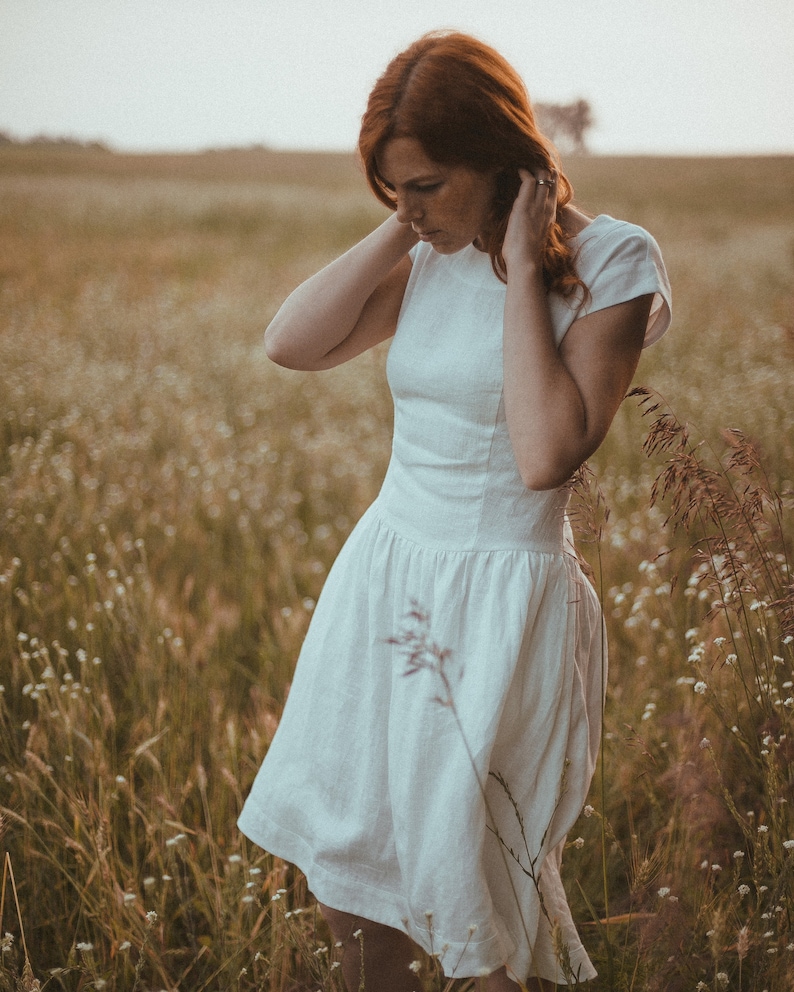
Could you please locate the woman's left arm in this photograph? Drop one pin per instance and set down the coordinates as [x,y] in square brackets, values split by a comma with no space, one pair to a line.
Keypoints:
[559,402]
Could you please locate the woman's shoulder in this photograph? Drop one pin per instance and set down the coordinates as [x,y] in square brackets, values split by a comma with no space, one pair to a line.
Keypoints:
[604,233]
[617,261]
[606,243]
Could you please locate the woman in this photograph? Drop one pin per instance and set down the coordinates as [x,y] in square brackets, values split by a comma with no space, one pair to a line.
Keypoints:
[433,809]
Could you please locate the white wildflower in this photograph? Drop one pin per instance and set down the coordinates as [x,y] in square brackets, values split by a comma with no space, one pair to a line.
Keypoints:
[664,892]
[588,811]
[744,890]
[415,967]
[579,843]
[705,744]
[788,844]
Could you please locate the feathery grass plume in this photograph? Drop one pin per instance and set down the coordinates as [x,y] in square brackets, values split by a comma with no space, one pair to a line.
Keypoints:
[739,532]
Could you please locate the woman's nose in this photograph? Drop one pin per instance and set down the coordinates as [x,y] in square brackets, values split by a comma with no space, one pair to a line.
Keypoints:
[408,209]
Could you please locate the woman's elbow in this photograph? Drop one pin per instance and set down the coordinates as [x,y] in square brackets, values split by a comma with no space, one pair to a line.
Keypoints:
[277,346]
[539,475]
[539,481]
[273,349]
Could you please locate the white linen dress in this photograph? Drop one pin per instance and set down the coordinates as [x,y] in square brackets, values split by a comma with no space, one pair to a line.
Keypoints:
[374,783]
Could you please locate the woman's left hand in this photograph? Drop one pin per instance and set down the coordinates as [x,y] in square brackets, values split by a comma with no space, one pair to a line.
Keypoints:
[533,213]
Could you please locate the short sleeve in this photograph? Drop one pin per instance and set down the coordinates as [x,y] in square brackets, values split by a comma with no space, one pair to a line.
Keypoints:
[620,264]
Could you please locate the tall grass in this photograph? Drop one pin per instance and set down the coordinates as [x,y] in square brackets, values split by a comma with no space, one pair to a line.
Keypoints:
[170,504]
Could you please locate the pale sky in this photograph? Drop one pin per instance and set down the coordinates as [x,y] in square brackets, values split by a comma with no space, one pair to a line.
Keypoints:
[662,76]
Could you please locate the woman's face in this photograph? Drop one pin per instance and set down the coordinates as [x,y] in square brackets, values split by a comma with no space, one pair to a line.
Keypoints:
[447,205]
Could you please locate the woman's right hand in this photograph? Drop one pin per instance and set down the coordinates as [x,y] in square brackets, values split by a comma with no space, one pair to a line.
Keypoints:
[349,306]
[531,217]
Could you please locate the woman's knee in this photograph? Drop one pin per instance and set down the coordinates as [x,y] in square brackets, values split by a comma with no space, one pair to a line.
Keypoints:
[342,925]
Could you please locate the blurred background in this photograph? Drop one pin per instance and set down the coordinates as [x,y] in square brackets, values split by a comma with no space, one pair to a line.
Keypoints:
[661,76]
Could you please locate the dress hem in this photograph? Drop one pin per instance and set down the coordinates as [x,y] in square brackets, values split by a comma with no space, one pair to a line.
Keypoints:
[378,905]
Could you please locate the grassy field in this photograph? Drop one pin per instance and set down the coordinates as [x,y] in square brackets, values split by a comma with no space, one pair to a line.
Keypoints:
[170,504]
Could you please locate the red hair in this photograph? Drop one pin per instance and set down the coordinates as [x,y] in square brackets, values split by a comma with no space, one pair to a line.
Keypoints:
[466,105]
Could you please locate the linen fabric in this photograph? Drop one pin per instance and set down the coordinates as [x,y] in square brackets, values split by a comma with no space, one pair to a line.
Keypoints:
[381,781]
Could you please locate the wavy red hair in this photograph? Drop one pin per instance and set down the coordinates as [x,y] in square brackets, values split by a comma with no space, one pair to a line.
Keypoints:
[466,105]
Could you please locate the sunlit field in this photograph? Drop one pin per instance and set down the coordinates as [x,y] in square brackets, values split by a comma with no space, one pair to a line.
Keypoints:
[170,504]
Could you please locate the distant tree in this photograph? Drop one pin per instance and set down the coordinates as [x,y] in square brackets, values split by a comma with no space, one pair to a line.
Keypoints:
[566,124]
[50,141]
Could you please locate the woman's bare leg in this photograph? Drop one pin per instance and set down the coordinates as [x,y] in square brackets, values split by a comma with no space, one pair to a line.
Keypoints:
[499,981]
[387,953]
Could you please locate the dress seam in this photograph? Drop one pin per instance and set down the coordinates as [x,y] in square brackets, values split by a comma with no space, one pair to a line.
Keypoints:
[382,515]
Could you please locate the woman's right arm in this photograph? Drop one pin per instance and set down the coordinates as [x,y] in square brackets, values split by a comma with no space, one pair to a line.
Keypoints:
[349,306]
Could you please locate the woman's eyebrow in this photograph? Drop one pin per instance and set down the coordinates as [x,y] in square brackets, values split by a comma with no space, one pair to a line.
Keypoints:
[429,177]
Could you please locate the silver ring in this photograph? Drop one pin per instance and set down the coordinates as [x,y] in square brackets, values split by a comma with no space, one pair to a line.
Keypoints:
[545,182]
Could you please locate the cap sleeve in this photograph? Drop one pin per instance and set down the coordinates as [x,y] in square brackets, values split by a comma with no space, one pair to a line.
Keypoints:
[622,264]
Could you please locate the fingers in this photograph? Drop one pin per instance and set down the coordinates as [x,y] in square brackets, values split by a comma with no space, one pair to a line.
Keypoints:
[540,186]
[546,182]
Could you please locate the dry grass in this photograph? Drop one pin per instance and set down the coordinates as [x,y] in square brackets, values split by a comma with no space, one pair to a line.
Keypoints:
[170,504]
